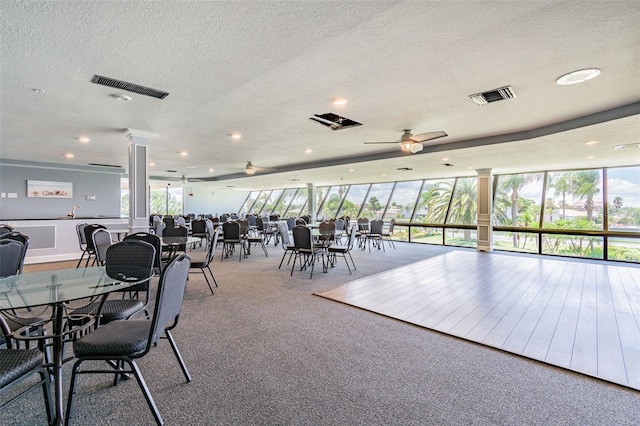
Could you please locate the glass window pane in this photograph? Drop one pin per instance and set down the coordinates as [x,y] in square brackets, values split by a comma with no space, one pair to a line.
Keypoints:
[376,200]
[175,201]
[331,203]
[401,233]
[573,245]
[248,204]
[433,201]
[158,203]
[426,235]
[525,242]
[270,203]
[124,198]
[403,200]
[518,199]
[260,202]
[461,237]
[297,204]
[353,202]
[577,200]
[623,192]
[284,201]
[464,204]
[626,249]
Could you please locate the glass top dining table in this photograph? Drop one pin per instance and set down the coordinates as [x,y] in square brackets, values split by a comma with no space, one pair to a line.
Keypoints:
[55,288]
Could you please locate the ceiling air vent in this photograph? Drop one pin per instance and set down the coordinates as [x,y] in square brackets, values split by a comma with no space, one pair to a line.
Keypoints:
[404,169]
[334,121]
[105,165]
[135,88]
[495,95]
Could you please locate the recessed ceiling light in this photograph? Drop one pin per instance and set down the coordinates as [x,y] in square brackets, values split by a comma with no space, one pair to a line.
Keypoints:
[84,139]
[591,142]
[235,136]
[308,151]
[184,153]
[123,98]
[339,101]
[152,164]
[579,76]
[190,167]
[210,170]
[445,159]
[69,155]
[352,170]
[591,156]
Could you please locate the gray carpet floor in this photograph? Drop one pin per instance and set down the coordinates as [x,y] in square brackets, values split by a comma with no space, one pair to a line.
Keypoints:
[264,351]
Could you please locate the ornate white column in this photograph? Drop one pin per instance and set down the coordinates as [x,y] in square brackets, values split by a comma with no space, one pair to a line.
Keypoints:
[485,207]
[311,201]
[138,179]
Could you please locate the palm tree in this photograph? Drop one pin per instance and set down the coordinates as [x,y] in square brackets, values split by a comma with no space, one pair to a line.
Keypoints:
[585,184]
[464,204]
[435,201]
[513,184]
[562,185]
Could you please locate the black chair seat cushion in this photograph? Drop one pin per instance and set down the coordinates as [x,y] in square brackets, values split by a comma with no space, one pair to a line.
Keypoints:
[113,309]
[14,363]
[338,249]
[117,338]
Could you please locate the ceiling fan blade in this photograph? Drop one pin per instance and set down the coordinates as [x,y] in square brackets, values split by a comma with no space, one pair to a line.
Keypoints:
[372,143]
[422,137]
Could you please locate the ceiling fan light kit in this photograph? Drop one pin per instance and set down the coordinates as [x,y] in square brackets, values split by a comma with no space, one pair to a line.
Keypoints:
[413,143]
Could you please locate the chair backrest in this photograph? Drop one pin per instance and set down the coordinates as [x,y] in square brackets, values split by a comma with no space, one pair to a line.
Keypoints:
[291,223]
[152,239]
[169,221]
[131,259]
[284,235]
[259,224]
[302,237]
[252,220]
[300,221]
[392,225]
[244,226]
[181,222]
[158,228]
[352,235]
[22,238]
[210,228]
[363,224]
[10,257]
[224,217]
[274,217]
[5,229]
[198,226]
[88,232]
[339,225]
[175,231]
[169,298]
[306,218]
[213,242]
[231,231]
[101,239]
[82,238]
[377,226]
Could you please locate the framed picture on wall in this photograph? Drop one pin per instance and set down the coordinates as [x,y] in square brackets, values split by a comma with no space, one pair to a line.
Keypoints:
[47,189]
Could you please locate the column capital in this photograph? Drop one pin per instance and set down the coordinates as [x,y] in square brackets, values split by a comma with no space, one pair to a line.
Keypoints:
[133,133]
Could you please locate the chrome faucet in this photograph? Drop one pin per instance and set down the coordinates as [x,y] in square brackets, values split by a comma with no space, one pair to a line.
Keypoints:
[73,211]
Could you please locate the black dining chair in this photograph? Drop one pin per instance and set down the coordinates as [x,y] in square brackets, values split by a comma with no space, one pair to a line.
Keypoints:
[334,250]
[22,239]
[232,238]
[123,342]
[199,229]
[305,250]
[286,243]
[152,239]
[101,241]
[205,263]
[18,366]
[91,250]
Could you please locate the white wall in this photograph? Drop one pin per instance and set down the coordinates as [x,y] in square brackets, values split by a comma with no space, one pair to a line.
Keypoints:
[210,200]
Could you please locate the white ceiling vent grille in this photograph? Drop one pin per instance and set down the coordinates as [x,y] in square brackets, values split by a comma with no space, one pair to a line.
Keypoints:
[135,88]
[495,95]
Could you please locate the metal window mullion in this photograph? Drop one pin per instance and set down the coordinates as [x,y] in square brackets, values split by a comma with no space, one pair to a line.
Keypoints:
[415,204]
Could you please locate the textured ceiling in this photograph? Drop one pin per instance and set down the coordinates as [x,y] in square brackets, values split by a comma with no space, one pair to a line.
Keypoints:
[263,68]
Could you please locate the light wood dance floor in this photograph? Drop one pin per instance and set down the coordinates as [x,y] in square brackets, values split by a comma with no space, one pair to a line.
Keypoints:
[579,315]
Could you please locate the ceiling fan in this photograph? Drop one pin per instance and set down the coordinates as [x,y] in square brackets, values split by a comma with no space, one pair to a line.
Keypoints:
[185,180]
[413,143]
[250,169]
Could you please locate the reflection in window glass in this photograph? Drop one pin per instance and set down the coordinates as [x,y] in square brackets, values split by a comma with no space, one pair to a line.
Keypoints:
[353,201]
[331,202]
[271,201]
[403,201]
[575,199]
[433,201]
[573,245]
[376,200]
[283,202]
[124,198]
[623,192]
[464,204]
[297,204]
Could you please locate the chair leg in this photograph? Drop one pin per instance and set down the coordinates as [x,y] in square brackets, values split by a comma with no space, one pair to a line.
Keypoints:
[207,280]
[354,263]
[176,351]
[145,391]
[46,391]
[212,276]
